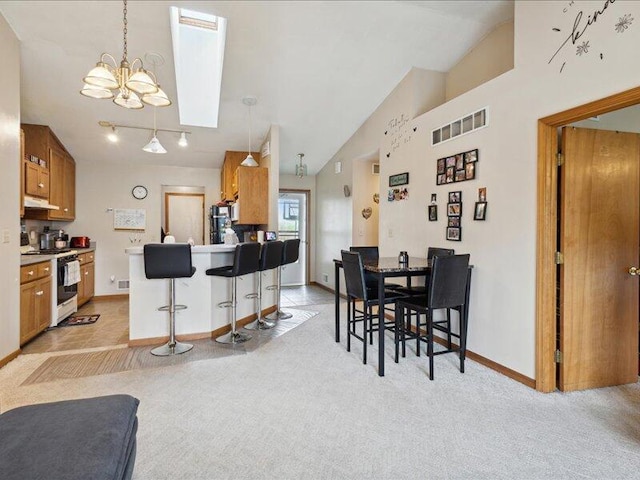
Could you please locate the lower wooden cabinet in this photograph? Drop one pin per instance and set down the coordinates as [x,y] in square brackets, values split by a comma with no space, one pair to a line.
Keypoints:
[86,287]
[35,300]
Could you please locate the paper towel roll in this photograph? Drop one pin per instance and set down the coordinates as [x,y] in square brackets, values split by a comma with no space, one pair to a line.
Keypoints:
[261,236]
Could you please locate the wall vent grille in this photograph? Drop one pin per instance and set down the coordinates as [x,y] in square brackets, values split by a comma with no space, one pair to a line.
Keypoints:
[123,284]
[375,169]
[461,126]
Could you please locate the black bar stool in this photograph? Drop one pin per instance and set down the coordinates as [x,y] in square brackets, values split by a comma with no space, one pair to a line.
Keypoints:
[245,261]
[290,254]
[270,258]
[169,261]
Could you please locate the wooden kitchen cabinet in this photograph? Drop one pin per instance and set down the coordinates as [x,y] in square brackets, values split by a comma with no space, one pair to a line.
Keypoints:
[251,185]
[35,300]
[41,142]
[86,286]
[22,163]
[232,161]
[36,180]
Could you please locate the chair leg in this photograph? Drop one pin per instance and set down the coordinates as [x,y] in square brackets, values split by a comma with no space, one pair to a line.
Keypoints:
[463,337]
[371,325]
[405,313]
[396,338]
[449,328]
[430,342]
[278,314]
[172,347]
[366,312]
[349,324]
[260,323]
[233,337]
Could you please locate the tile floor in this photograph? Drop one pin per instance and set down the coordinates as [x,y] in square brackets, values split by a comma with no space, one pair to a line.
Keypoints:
[112,328]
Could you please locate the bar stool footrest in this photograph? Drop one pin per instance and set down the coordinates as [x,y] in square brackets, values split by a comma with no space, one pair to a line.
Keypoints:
[251,296]
[226,304]
[176,308]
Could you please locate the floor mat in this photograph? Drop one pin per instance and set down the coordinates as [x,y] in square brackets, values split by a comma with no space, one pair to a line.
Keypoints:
[79,320]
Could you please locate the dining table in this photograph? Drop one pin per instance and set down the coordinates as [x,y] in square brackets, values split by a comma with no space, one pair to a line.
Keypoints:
[383,268]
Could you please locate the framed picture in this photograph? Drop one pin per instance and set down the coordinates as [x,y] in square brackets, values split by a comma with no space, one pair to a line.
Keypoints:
[453,222]
[441,179]
[482,194]
[469,171]
[471,156]
[454,209]
[454,234]
[449,175]
[399,179]
[461,175]
[459,161]
[455,197]
[433,213]
[480,212]
[450,162]
[441,165]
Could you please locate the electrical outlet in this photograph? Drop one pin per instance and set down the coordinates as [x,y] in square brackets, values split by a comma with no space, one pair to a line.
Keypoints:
[5,236]
[325,278]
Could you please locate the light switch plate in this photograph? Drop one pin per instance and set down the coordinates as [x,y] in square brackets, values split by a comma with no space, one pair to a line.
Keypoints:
[5,236]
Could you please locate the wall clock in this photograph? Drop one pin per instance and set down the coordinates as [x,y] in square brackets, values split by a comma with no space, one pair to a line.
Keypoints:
[139,192]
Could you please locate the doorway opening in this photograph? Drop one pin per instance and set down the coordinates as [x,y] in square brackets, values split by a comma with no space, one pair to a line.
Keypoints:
[183,213]
[547,294]
[293,222]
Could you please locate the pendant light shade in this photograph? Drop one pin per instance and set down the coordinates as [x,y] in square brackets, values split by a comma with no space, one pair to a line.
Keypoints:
[183,140]
[140,82]
[132,101]
[154,146]
[157,99]
[249,161]
[301,168]
[96,92]
[100,76]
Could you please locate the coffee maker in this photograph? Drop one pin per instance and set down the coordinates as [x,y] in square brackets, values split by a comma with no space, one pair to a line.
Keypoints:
[48,239]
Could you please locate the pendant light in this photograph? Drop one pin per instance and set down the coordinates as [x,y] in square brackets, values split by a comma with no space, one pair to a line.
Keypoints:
[249,161]
[154,145]
[301,169]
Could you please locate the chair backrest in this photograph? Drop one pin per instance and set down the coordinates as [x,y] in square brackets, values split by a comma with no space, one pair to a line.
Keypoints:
[291,251]
[246,259]
[167,260]
[439,252]
[271,255]
[354,274]
[367,253]
[448,281]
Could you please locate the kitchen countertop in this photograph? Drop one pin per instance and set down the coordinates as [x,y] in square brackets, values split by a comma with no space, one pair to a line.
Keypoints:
[31,259]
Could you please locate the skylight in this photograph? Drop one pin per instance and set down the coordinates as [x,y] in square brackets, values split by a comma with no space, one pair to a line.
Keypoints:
[198,52]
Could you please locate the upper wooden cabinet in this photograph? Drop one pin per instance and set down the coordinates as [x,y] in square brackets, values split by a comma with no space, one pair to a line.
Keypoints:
[232,160]
[60,178]
[252,194]
[21,161]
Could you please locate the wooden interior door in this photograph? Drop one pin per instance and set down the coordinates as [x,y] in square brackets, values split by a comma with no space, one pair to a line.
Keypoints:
[184,216]
[599,240]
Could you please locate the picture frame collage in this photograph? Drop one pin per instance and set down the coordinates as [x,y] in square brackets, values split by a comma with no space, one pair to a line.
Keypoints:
[396,181]
[454,217]
[457,168]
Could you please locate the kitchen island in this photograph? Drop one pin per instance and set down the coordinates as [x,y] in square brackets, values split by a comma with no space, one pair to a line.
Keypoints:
[201,294]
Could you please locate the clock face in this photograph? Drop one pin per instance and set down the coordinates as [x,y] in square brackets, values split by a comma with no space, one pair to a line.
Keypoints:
[139,192]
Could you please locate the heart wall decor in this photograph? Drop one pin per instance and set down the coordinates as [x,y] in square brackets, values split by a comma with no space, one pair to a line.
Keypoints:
[366,213]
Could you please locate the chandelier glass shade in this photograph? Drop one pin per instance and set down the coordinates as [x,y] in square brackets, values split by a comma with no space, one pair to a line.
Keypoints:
[133,84]
[154,146]
[301,169]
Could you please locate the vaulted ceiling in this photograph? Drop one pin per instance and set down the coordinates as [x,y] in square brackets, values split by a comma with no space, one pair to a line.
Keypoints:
[318,69]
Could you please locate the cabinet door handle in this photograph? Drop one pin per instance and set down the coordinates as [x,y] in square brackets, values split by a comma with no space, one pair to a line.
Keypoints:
[66,209]
[86,273]
[41,185]
[46,269]
[41,292]
[30,272]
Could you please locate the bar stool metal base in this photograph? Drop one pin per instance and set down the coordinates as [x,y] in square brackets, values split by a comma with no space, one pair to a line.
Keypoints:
[168,349]
[260,324]
[278,315]
[233,338]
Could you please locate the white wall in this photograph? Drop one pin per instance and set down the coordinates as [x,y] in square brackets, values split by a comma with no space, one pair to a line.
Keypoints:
[365,184]
[9,190]
[419,91]
[502,318]
[272,162]
[100,187]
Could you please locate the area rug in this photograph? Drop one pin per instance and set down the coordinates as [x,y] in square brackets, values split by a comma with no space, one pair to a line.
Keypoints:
[79,320]
[104,362]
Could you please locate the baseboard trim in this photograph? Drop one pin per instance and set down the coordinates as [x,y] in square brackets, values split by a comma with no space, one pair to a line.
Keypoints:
[8,358]
[101,298]
[506,371]
[141,342]
[329,289]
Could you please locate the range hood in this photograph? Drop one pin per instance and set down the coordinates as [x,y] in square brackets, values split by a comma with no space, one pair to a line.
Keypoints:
[41,203]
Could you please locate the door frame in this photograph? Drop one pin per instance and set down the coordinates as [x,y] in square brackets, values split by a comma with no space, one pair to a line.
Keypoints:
[547,229]
[307,222]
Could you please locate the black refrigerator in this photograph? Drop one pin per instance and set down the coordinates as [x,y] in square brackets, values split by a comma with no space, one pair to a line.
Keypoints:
[218,217]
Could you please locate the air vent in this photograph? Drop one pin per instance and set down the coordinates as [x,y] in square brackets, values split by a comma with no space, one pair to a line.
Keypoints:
[375,169]
[123,284]
[462,126]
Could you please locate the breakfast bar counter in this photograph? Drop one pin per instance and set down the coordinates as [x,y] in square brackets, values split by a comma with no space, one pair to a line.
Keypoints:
[201,294]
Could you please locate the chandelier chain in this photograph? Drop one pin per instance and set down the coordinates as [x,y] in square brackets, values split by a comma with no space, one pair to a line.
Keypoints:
[124,21]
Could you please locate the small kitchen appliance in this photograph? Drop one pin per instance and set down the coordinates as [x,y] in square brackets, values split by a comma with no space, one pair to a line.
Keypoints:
[80,242]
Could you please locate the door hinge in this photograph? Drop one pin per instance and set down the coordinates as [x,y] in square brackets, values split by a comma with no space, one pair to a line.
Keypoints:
[559,258]
[557,356]
[560,159]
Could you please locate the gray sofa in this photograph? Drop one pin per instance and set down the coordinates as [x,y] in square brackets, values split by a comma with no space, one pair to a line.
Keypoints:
[92,438]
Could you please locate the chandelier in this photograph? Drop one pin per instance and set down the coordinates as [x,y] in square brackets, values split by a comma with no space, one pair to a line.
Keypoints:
[301,168]
[132,85]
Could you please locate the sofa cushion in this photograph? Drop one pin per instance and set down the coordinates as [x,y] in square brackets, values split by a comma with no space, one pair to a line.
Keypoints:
[74,439]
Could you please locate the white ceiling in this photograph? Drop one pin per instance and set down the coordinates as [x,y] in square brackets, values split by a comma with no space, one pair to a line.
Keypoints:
[318,69]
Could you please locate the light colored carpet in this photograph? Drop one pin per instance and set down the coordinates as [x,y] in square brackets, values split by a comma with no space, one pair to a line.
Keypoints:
[302,407]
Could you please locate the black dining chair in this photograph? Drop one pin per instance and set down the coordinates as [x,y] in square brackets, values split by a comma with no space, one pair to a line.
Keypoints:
[357,291]
[422,289]
[371,253]
[448,288]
